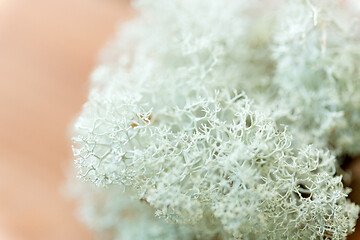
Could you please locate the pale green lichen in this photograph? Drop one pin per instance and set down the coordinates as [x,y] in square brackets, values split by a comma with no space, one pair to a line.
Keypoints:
[168,123]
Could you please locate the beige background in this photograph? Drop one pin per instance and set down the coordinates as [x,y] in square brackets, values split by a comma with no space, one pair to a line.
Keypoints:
[47,50]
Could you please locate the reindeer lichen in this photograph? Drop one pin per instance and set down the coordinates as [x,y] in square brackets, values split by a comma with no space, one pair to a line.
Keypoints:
[201,126]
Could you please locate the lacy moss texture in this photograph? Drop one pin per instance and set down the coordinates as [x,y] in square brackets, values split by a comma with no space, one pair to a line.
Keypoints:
[223,119]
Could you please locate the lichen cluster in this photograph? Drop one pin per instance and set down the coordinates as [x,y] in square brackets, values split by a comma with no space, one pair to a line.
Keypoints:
[223,119]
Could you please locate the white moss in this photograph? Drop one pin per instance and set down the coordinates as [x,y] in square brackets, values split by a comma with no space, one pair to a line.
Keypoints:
[167,120]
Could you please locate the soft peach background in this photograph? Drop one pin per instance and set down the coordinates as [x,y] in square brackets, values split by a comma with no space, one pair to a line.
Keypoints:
[47,50]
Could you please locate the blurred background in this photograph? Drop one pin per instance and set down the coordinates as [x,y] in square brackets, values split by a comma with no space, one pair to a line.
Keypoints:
[47,51]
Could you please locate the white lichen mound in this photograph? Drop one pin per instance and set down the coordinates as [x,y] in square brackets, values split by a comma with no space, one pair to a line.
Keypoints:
[169,133]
